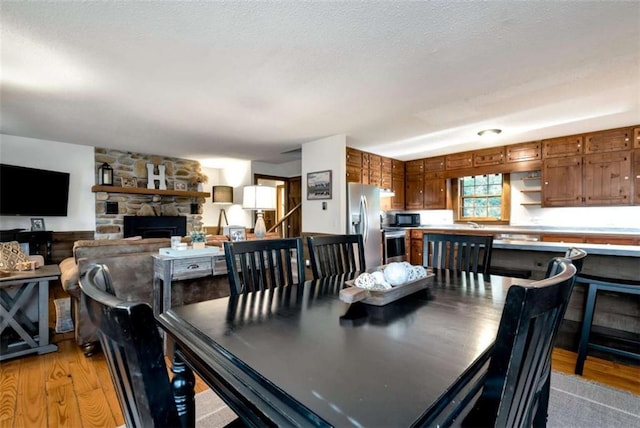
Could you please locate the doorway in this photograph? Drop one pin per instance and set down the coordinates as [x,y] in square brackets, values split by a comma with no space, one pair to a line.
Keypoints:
[288,196]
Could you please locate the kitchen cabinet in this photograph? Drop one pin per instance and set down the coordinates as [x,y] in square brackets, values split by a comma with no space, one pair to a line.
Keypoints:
[386,181]
[434,191]
[562,146]
[414,187]
[610,140]
[397,184]
[488,157]
[532,188]
[607,178]
[365,169]
[459,161]
[562,182]
[354,165]
[636,138]
[636,177]
[524,152]
[417,243]
[375,171]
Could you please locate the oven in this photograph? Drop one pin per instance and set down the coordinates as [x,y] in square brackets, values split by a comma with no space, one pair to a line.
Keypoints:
[394,245]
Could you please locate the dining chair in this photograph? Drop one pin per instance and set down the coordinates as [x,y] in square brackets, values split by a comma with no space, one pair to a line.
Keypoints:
[469,253]
[508,385]
[133,350]
[336,254]
[264,263]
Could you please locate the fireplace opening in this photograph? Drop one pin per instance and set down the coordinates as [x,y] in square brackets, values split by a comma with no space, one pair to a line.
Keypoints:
[155,226]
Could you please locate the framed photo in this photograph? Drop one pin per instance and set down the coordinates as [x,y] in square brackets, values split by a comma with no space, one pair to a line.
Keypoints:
[319,185]
[180,185]
[37,224]
[237,234]
[129,182]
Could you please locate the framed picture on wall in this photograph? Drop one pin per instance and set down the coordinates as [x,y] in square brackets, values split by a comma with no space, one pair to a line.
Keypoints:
[180,185]
[129,182]
[319,185]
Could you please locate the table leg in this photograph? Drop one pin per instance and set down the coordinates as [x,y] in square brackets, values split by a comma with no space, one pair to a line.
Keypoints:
[183,384]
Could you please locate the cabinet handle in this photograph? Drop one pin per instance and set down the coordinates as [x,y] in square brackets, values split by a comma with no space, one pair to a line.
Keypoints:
[193,266]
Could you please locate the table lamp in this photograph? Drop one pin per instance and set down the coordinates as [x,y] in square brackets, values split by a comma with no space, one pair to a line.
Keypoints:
[222,195]
[259,198]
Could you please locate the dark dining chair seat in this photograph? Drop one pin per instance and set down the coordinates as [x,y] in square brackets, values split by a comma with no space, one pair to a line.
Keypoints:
[508,386]
[261,264]
[336,254]
[460,252]
[133,350]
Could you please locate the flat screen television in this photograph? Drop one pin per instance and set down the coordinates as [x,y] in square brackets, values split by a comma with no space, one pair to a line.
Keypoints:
[33,192]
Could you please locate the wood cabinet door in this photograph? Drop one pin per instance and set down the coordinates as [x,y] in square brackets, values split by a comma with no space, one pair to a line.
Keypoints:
[636,177]
[459,160]
[414,166]
[354,157]
[488,157]
[610,140]
[414,185]
[397,167]
[562,146]
[562,182]
[416,252]
[354,174]
[434,191]
[434,164]
[636,138]
[397,184]
[607,178]
[524,152]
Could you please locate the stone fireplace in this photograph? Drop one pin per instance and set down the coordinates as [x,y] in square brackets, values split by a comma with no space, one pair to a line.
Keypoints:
[155,226]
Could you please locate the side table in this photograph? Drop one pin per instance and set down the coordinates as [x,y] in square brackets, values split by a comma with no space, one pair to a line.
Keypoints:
[18,299]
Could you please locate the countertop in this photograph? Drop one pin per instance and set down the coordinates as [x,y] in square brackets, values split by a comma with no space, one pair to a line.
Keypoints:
[561,247]
[536,229]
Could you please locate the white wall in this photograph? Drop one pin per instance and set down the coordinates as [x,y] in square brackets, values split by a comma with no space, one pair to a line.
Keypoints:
[77,160]
[320,155]
[287,169]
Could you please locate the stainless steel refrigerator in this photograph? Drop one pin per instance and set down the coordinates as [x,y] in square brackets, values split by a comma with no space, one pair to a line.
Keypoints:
[363,217]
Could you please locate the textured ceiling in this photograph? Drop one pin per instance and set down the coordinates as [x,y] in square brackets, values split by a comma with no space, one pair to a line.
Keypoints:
[253,80]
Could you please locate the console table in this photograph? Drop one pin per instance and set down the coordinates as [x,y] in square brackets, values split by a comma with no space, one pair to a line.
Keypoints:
[19,299]
[167,269]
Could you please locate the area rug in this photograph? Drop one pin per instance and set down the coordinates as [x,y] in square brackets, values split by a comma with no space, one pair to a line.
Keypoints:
[64,323]
[576,402]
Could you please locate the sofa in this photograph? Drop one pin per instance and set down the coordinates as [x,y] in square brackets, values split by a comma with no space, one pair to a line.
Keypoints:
[130,263]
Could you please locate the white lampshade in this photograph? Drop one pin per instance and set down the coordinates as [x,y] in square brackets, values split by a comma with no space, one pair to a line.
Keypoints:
[259,198]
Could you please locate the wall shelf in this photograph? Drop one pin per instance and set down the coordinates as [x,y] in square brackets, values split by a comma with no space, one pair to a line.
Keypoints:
[144,191]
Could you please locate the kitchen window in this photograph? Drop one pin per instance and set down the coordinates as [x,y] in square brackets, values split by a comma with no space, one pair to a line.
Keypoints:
[483,198]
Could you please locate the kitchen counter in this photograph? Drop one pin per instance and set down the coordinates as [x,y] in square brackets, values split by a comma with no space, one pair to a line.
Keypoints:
[561,247]
[536,229]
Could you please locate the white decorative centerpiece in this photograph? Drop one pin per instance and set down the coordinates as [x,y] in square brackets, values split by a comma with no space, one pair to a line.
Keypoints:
[197,239]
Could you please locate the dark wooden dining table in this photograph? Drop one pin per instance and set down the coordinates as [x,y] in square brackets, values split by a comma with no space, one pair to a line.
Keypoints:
[300,356]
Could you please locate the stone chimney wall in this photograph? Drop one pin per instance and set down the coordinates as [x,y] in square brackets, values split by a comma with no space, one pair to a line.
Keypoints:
[132,167]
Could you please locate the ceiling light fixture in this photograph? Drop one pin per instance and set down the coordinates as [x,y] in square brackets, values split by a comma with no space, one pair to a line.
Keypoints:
[489,132]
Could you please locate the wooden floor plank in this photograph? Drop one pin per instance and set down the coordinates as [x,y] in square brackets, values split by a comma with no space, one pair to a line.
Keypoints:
[63,408]
[95,410]
[9,373]
[32,396]
[102,371]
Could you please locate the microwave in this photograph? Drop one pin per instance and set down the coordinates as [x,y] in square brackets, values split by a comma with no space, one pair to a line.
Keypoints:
[407,220]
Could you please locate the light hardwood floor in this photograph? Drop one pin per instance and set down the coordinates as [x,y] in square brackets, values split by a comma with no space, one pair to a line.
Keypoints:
[66,389]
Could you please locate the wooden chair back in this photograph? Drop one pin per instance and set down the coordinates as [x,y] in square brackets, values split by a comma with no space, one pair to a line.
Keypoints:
[133,350]
[336,254]
[514,391]
[264,263]
[469,253]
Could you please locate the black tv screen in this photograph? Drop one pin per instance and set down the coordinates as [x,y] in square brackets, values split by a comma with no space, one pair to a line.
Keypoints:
[33,192]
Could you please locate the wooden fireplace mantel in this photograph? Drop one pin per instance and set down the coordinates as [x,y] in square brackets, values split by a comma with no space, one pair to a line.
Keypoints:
[144,191]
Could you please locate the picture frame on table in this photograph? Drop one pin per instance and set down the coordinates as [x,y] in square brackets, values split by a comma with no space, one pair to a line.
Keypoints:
[237,234]
[129,182]
[37,225]
[180,185]
[319,185]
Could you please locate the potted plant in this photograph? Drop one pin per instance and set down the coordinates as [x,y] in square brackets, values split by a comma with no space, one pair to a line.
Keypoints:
[197,239]
[198,179]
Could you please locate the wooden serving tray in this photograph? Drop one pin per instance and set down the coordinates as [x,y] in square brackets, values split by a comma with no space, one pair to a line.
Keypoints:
[353,294]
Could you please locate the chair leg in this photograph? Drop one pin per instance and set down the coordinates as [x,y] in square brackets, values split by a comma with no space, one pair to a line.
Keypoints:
[586,328]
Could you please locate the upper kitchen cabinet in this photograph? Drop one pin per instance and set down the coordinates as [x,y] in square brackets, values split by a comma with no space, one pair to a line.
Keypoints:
[611,140]
[607,178]
[414,184]
[636,138]
[488,157]
[636,176]
[375,170]
[354,165]
[562,146]
[459,161]
[524,152]
[397,184]
[562,185]
[365,168]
